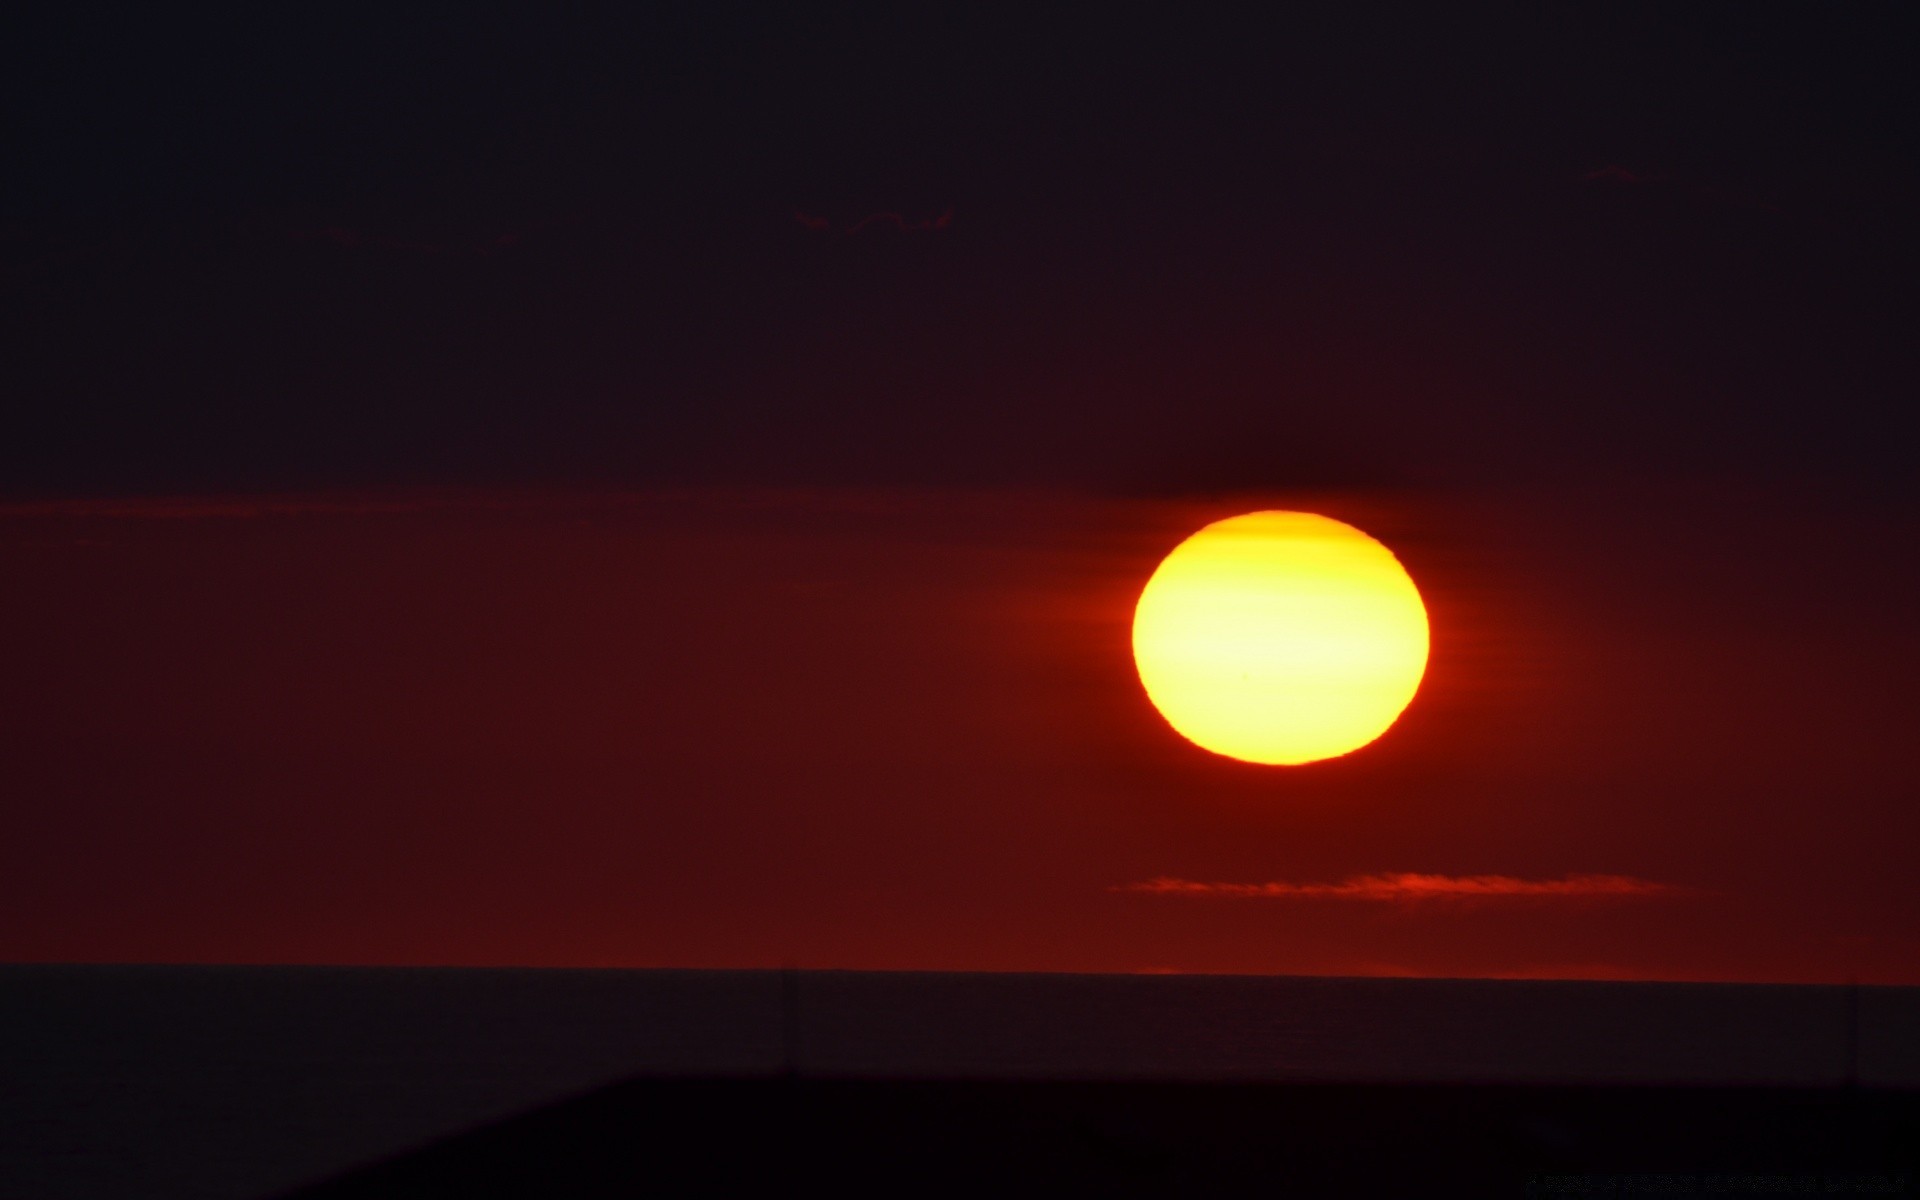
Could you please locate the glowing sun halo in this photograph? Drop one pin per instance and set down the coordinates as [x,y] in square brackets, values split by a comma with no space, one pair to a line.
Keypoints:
[1280,637]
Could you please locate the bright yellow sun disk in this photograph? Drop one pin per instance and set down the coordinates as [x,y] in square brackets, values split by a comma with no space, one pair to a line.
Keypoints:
[1280,637]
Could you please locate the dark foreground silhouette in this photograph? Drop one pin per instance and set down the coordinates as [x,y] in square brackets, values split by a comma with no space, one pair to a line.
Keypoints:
[759,1136]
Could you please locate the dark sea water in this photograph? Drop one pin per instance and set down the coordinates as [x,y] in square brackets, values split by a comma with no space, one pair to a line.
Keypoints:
[161,1082]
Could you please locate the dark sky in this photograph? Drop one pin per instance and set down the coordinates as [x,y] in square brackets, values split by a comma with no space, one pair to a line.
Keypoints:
[667,485]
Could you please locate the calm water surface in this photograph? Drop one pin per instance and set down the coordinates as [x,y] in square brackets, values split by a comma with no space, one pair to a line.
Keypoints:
[235,1081]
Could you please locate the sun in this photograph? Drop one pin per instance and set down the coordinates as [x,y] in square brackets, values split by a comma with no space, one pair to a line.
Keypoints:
[1280,638]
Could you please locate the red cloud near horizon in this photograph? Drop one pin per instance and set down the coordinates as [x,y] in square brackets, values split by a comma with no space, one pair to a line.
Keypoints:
[1406,886]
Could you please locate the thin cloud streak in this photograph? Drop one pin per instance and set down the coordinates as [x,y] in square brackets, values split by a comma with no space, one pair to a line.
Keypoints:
[1411,887]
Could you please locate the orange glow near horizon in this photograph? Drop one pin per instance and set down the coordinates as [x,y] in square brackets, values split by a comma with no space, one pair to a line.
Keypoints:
[1280,638]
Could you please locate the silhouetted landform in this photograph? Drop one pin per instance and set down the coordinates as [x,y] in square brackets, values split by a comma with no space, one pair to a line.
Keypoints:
[891,1137]
[230,1083]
